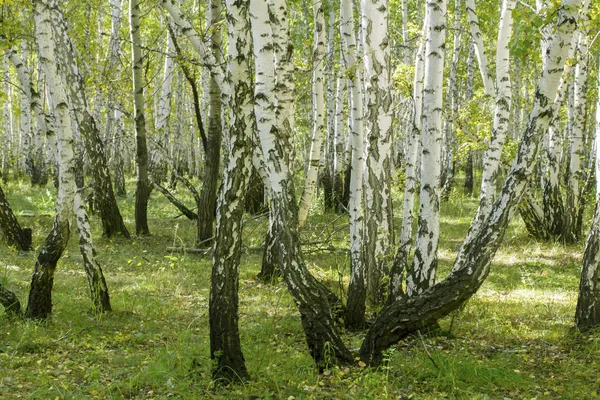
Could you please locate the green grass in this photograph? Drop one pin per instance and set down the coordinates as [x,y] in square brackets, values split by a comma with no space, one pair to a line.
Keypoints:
[514,339]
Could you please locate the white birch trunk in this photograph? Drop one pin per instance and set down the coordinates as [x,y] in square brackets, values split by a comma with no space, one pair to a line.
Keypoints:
[318,131]
[414,145]
[357,290]
[576,139]
[501,122]
[424,267]
[378,116]
[484,69]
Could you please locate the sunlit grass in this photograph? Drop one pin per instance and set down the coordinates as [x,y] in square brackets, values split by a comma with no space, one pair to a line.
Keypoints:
[513,339]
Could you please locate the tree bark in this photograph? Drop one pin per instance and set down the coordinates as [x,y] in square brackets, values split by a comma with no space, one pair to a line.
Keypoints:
[104,197]
[225,347]
[210,179]
[142,190]
[471,266]
[357,290]
[9,301]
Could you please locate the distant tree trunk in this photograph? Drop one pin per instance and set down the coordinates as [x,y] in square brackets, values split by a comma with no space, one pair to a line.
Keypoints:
[422,274]
[401,262]
[468,185]
[142,191]
[477,40]
[452,101]
[491,159]
[40,292]
[378,233]
[104,197]
[210,179]
[158,162]
[587,314]
[225,347]
[318,131]
[31,102]
[357,290]
[114,114]
[472,263]
[576,179]
[18,237]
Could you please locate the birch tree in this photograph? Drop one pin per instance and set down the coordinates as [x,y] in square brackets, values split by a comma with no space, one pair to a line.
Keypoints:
[15,235]
[422,274]
[142,191]
[310,296]
[318,130]
[378,234]
[587,314]
[105,201]
[40,294]
[356,304]
[223,306]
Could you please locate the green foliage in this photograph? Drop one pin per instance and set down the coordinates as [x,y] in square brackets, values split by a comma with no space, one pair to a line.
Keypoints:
[513,339]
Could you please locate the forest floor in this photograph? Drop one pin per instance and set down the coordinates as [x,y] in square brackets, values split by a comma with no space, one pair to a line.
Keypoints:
[513,340]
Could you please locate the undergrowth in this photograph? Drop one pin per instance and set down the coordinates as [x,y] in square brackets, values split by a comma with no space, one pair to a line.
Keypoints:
[514,339]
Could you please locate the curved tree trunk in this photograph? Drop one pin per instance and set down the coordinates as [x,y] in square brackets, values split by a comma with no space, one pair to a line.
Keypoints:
[40,292]
[309,295]
[225,347]
[471,267]
[104,197]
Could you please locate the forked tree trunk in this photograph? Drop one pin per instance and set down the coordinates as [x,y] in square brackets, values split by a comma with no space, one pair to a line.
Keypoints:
[142,190]
[104,197]
[471,266]
[40,292]
[16,236]
[225,347]
[310,296]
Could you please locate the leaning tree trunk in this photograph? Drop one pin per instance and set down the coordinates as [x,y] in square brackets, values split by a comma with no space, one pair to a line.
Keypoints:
[104,197]
[93,271]
[210,180]
[142,191]
[422,274]
[357,290]
[471,266]
[16,236]
[40,292]
[309,295]
[587,314]
[225,347]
